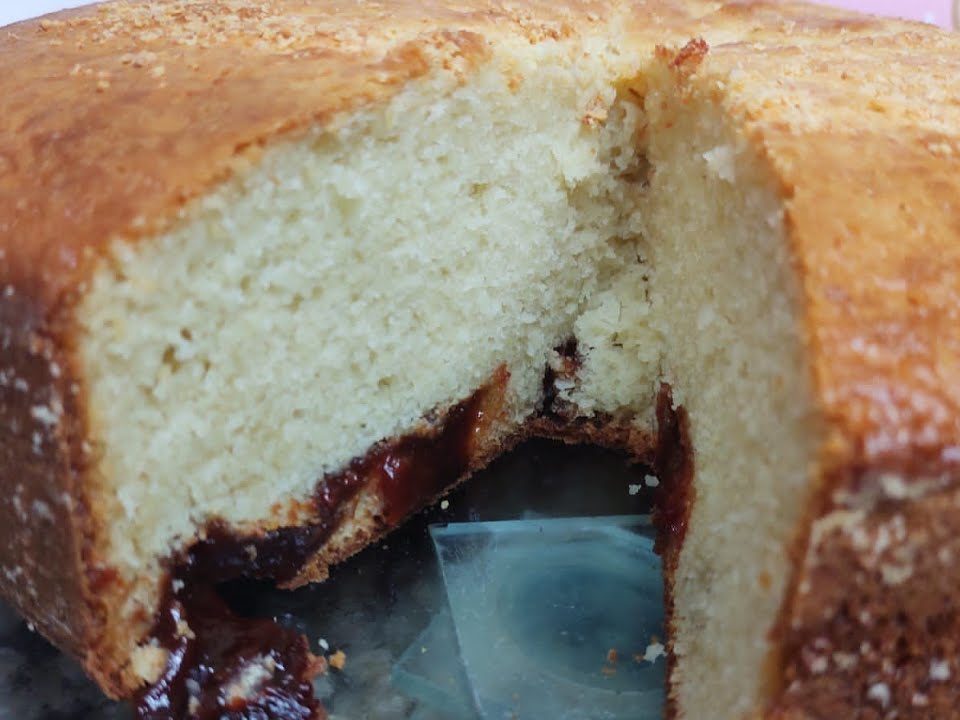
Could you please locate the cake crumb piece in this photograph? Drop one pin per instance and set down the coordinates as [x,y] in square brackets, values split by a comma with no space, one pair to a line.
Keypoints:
[148,661]
[444,504]
[184,631]
[939,670]
[651,481]
[845,661]
[324,645]
[722,162]
[612,655]
[248,681]
[633,489]
[654,650]
[338,660]
[879,693]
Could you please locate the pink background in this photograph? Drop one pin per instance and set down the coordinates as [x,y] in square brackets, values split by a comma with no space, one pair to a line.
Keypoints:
[935,11]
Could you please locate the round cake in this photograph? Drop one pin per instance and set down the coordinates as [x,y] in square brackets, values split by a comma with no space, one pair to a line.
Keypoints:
[276,274]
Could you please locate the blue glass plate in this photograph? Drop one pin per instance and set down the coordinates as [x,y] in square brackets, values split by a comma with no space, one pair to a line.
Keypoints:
[559,618]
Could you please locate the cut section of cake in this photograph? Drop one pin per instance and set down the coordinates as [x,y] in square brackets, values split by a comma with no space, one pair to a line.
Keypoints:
[277,274]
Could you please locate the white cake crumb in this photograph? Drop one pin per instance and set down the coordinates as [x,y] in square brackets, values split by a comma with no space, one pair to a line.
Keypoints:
[324,645]
[250,679]
[894,486]
[845,661]
[148,661]
[722,162]
[184,631]
[46,414]
[633,489]
[939,670]
[895,574]
[444,504]
[654,650]
[42,511]
[651,481]
[879,693]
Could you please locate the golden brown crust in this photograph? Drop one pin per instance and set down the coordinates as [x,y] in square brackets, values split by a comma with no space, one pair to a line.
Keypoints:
[874,627]
[117,116]
[152,108]
[43,506]
[858,121]
[862,131]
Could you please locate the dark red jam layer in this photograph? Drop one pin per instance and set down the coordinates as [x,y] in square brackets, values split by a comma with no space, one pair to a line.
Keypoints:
[212,648]
[212,651]
[416,469]
[570,361]
[673,464]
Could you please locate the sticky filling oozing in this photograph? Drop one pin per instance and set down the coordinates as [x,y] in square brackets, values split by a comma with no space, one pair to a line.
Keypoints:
[223,665]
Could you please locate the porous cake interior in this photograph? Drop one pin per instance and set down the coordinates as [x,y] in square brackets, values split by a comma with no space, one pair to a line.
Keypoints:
[362,277]
[724,301]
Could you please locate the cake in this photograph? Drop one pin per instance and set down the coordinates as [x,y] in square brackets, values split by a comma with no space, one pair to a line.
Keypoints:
[274,275]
